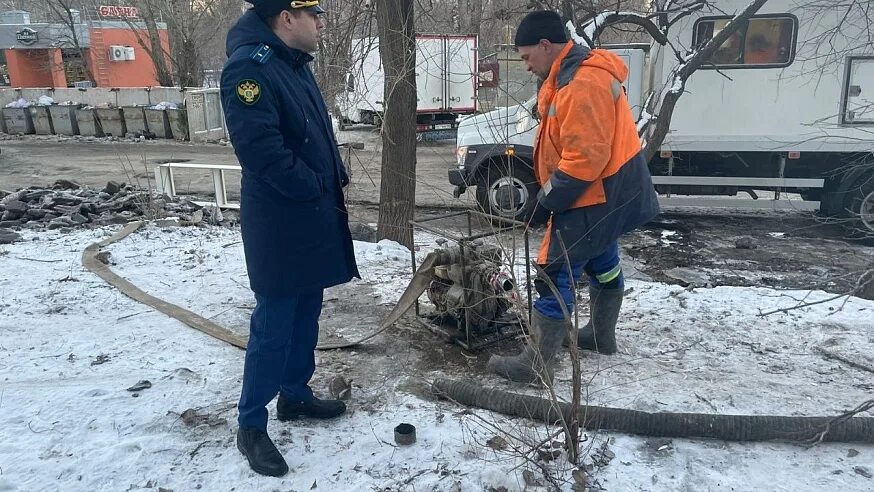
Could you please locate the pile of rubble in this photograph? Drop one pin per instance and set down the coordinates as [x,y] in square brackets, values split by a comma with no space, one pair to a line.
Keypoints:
[67,204]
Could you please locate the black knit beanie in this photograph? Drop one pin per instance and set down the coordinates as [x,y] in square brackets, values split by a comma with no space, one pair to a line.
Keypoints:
[541,24]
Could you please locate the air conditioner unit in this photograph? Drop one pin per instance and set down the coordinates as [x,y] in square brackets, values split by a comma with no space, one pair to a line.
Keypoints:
[85,84]
[117,53]
[129,53]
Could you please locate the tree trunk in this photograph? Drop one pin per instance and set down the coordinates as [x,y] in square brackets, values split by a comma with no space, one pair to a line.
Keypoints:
[189,69]
[182,19]
[665,110]
[567,11]
[62,9]
[155,48]
[470,16]
[397,48]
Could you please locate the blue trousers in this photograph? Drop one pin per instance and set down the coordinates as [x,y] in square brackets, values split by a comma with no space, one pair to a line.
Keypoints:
[280,357]
[604,272]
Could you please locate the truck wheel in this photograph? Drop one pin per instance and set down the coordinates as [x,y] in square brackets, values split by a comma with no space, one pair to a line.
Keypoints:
[508,190]
[861,208]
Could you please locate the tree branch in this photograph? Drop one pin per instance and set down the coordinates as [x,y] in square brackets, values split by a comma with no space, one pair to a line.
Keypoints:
[682,73]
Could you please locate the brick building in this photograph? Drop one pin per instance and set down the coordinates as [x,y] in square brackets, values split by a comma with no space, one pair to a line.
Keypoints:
[61,54]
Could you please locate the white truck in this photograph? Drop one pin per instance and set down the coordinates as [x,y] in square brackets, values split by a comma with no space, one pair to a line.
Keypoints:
[766,116]
[446,82]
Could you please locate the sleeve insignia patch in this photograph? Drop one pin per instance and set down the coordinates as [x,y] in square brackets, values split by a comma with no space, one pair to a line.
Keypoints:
[249,91]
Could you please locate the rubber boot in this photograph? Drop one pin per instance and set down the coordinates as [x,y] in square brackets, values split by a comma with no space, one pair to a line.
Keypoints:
[536,362]
[605,305]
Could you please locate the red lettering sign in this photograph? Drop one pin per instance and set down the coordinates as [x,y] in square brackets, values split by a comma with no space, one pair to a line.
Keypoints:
[117,11]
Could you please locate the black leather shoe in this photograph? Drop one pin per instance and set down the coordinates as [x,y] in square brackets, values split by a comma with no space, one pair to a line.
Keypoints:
[315,408]
[262,454]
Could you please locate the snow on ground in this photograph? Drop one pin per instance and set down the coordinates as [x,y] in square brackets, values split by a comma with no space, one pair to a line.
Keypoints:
[205,271]
[70,346]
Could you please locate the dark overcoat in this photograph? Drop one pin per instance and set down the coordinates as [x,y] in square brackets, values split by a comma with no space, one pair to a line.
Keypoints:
[294,221]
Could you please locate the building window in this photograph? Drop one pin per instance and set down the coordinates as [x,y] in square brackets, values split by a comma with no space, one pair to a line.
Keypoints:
[766,41]
[74,66]
[4,70]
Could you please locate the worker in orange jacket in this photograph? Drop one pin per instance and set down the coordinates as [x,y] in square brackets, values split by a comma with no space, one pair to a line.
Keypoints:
[595,182]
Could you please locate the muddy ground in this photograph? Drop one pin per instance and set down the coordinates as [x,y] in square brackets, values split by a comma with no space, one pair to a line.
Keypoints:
[787,249]
[40,160]
[728,248]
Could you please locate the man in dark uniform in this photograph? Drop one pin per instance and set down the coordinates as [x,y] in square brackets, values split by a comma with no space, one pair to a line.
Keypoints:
[294,221]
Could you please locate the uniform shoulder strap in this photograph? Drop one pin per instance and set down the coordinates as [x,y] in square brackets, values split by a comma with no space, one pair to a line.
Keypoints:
[262,54]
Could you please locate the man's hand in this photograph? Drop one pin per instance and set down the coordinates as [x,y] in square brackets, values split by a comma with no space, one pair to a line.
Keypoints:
[561,191]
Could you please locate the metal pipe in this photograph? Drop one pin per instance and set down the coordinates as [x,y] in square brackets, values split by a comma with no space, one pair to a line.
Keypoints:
[781,173]
[464,294]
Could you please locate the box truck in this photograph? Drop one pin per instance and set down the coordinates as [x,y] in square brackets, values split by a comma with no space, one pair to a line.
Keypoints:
[446,82]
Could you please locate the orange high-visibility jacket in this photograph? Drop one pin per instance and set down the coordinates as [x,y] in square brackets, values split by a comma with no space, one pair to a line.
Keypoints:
[587,155]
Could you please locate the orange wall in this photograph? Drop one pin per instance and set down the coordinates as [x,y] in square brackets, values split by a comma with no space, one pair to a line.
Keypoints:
[36,68]
[45,67]
[136,73]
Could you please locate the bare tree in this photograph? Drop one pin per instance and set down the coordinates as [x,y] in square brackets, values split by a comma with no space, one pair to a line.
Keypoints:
[150,15]
[397,48]
[347,21]
[663,108]
[27,5]
[212,33]
[854,32]
[63,10]
[470,16]
[182,18]
[655,119]
[192,26]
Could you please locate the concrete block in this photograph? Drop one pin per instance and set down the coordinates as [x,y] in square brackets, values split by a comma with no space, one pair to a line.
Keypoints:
[89,125]
[135,120]
[206,121]
[158,123]
[64,119]
[131,96]
[112,121]
[18,120]
[158,95]
[8,95]
[42,120]
[96,96]
[178,123]
[34,94]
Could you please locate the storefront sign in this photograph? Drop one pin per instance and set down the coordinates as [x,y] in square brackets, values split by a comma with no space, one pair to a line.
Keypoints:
[27,36]
[117,11]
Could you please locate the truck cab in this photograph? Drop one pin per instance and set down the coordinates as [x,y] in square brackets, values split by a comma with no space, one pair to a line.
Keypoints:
[495,150]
